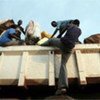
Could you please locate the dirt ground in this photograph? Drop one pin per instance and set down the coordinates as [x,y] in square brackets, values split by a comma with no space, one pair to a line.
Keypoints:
[48,93]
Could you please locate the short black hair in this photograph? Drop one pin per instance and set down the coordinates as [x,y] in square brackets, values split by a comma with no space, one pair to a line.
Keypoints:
[71,21]
[54,23]
[76,22]
[19,22]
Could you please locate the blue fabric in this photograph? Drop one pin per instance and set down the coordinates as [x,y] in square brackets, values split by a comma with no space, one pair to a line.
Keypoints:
[5,37]
[62,24]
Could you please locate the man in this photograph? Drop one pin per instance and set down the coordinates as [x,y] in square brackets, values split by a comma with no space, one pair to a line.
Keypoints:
[66,44]
[7,38]
[60,26]
[19,28]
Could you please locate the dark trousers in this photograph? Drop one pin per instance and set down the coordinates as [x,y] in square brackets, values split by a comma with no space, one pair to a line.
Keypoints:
[66,52]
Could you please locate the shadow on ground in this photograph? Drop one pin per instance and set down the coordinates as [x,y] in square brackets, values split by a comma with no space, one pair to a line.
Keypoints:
[45,93]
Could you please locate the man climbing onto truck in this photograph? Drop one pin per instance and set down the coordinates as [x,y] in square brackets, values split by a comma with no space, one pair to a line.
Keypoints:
[66,44]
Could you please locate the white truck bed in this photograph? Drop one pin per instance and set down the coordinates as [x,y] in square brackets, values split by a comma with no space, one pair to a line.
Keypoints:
[36,65]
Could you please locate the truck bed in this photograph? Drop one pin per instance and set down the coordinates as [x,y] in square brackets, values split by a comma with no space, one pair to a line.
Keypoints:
[36,65]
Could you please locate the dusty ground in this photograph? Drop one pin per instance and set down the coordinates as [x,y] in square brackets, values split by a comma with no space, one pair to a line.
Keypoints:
[47,93]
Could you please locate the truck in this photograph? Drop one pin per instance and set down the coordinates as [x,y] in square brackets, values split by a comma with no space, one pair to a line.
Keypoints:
[39,65]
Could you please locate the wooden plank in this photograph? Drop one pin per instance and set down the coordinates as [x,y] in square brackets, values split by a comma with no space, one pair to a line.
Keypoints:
[80,65]
[87,46]
[51,69]
[27,48]
[1,60]
[38,48]
[24,62]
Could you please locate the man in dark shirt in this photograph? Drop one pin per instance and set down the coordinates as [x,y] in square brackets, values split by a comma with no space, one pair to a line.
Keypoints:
[19,28]
[60,26]
[66,44]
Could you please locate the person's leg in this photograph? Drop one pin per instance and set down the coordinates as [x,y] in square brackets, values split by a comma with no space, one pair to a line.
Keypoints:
[63,79]
[55,42]
[12,43]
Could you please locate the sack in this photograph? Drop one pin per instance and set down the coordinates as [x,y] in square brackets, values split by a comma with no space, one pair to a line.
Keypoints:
[32,29]
[4,25]
[45,34]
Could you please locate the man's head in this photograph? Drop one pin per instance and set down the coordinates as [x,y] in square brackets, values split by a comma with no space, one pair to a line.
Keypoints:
[76,22]
[20,22]
[54,23]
